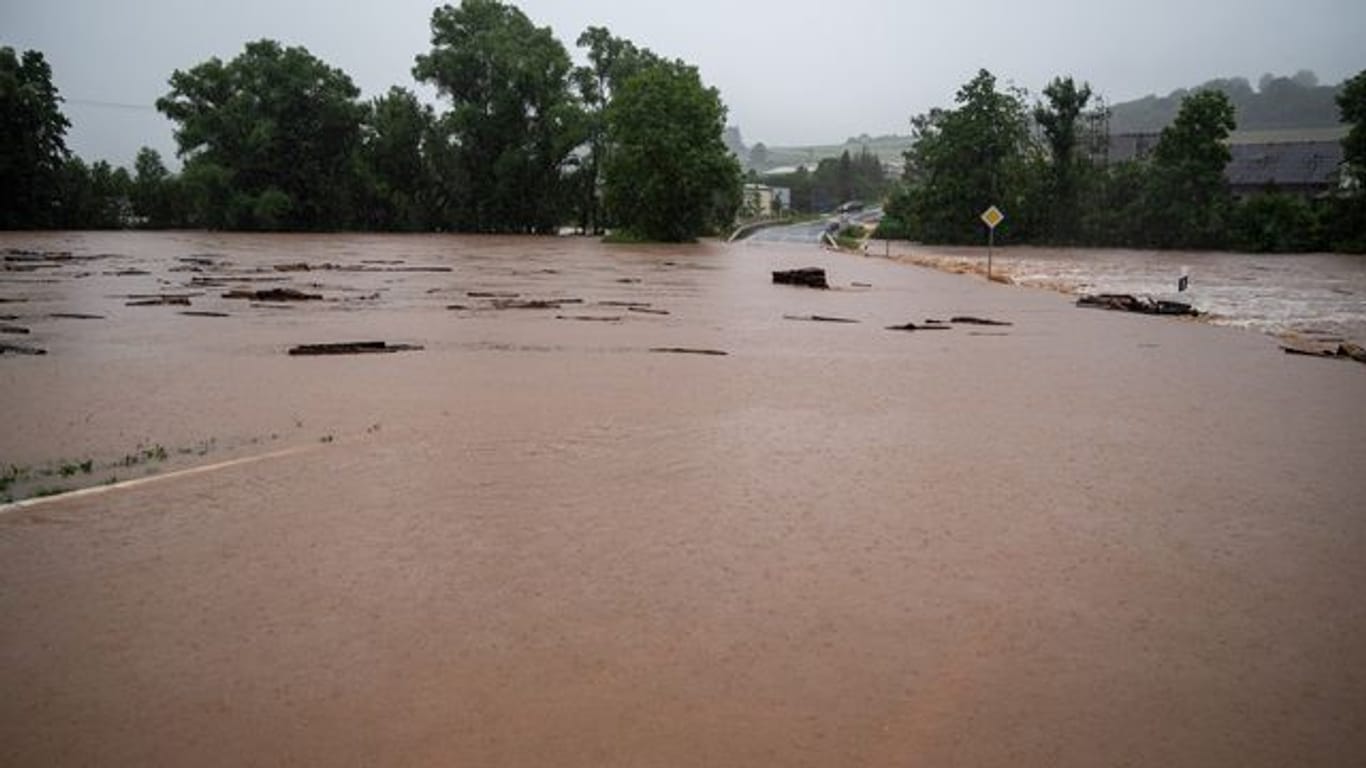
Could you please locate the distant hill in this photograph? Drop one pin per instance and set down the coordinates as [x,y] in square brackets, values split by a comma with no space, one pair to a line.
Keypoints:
[1295,108]
[1278,104]
[762,158]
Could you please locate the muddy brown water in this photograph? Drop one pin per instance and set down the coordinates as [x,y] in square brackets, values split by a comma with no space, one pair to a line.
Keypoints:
[1310,296]
[1094,540]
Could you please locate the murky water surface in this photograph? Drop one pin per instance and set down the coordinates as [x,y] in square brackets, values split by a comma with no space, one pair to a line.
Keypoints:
[1079,539]
[1309,295]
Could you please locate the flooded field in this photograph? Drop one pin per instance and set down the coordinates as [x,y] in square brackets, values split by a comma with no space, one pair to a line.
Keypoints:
[1314,296]
[558,526]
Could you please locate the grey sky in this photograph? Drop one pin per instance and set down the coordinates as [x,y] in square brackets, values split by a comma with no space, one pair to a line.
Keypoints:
[792,72]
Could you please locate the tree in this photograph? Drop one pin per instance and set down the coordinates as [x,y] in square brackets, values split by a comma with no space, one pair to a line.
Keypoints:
[1352,107]
[758,156]
[1274,223]
[32,141]
[1188,202]
[94,196]
[1347,214]
[396,179]
[1059,119]
[964,160]
[612,61]
[512,121]
[276,130]
[669,175]
[154,191]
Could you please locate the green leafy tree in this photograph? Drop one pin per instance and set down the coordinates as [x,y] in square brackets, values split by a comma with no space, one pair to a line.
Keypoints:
[1352,107]
[1347,214]
[155,192]
[964,160]
[32,141]
[1274,223]
[611,62]
[669,175]
[512,120]
[396,178]
[274,131]
[94,196]
[1188,202]
[1112,213]
[1060,120]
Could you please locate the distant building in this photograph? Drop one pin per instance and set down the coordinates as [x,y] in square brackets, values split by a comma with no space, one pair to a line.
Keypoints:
[760,199]
[1131,146]
[1306,168]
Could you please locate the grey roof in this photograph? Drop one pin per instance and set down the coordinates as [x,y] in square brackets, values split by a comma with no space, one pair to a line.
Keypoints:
[1131,146]
[1290,163]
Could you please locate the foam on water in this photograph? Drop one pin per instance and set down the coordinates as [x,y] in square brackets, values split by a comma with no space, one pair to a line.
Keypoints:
[1297,294]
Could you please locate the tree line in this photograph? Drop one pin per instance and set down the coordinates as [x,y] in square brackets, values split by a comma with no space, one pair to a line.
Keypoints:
[276,139]
[1275,103]
[833,181]
[1044,167]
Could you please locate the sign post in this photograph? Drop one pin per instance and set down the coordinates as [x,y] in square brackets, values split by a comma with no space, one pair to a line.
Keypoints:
[991,217]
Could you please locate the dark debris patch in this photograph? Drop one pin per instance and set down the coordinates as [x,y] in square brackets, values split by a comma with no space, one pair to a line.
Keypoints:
[1143,305]
[688,351]
[927,326]
[352,348]
[820,318]
[810,277]
[969,320]
[273,294]
[160,301]
[20,349]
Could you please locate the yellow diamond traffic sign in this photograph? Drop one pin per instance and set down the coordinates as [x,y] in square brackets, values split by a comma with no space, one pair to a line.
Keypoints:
[993,216]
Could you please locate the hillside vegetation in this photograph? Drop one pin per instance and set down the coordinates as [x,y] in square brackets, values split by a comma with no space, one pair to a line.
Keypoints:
[1277,104]
[1295,108]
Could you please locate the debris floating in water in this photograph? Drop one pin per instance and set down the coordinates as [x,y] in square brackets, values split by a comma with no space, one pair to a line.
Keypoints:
[1144,305]
[273,294]
[352,348]
[688,351]
[820,318]
[969,320]
[811,277]
[1344,351]
[20,349]
[159,301]
[930,325]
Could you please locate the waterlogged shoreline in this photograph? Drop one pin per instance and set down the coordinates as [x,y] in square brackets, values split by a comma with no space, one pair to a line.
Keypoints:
[1309,297]
[544,539]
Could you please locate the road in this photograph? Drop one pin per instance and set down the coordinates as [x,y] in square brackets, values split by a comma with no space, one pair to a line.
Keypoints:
[810,231]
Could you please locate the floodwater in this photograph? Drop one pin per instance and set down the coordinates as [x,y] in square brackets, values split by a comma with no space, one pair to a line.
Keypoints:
[1317,296]
[1084,538]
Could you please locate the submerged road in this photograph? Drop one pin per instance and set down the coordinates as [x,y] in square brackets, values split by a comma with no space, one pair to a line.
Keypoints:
[1084,539]
[811,231]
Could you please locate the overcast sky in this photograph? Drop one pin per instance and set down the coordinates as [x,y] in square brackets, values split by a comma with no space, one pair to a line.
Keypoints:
[793,72]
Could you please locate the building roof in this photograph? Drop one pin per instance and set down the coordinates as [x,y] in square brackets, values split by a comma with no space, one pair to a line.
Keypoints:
[1131,146]
[1291,163]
